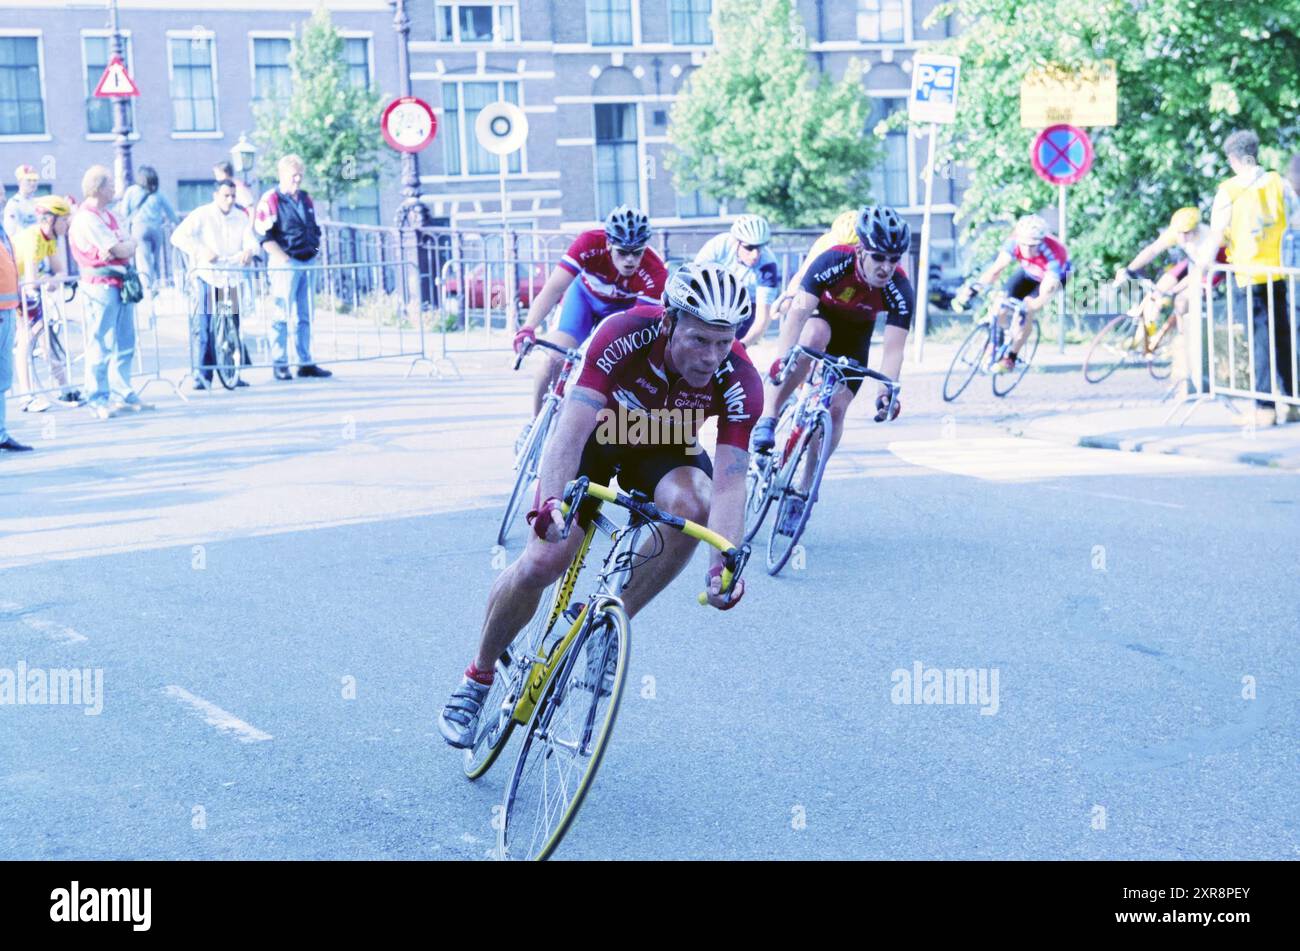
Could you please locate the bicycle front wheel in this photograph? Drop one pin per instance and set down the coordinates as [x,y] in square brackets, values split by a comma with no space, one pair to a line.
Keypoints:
[802,465]
[1160,361]
[763,473]
[566,738]
[1113,346]
[966,362]
[527,467]
[225,347]
[1004,383]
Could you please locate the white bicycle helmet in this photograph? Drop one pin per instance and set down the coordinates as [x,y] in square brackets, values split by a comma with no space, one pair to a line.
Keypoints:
[1031,229]
[751,229]
[709,293]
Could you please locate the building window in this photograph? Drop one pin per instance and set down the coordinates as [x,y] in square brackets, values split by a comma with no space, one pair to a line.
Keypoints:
[889,181]
[616,163]
[690,21]
[22,108]
[476,22]
[271,76]
[697,205]
[461,104]
[359,206]
[609,22]
[99,112]
[194,86]
[881,21]
[356,51]
[193,194]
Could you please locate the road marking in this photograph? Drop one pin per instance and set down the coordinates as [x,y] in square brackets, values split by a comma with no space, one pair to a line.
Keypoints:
[56,632]
[1118,498]
[1020,459]
[215,716]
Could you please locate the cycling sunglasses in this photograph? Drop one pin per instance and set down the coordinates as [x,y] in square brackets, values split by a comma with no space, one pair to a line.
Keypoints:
[630,252]
[751,247]
[884,258]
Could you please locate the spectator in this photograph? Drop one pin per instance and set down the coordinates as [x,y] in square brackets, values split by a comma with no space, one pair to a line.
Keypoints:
[219,233]
[147,212]
[8,325]
[103,251]
[1251,211]
[20,212]
[1291,242]
[286,226]
[37,254]
[225,172]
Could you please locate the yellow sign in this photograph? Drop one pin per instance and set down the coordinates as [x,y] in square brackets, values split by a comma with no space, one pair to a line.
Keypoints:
[1080,97]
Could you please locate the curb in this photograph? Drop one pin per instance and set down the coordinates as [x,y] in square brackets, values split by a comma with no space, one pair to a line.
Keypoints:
[1280,461]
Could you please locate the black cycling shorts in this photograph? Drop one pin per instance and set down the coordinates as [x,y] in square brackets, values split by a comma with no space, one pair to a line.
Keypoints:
[639,468]
[852,339]
[1020,285]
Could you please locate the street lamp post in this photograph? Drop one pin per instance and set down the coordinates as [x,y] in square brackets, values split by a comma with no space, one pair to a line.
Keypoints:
[122,171]
[242,156]
[412,213]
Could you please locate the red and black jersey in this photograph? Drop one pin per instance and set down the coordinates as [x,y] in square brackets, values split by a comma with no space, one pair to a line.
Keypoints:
[589,259]
[843,294]
[625,362]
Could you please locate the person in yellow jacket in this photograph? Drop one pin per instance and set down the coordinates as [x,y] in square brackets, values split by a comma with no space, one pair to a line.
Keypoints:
[1250,214]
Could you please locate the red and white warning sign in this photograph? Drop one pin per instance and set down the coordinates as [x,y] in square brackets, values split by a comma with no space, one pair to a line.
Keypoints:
[116,81]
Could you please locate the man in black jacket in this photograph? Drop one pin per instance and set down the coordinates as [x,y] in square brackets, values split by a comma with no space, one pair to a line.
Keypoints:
[286,226]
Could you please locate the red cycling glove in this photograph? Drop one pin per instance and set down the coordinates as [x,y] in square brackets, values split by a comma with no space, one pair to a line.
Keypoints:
[525,333]
[540,518]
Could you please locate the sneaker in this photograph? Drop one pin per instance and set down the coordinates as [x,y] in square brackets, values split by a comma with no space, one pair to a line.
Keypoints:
[458,721]
[1005,365]
[133,405]
[198,384]
[310,369]
[70,398]
[523,437]
[13,445]
[282,373]
[101,410]
[790,516]
[763,438]
[37,404]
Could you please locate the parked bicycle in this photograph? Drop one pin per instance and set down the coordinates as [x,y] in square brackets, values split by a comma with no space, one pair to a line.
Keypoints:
[563,676]
[794,468]
[1141,337]
[987,344]
[52,330]
[528,452]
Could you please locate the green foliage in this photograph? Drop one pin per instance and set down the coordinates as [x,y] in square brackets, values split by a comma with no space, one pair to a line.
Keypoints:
[1190,72]
[753,124]
[332,124]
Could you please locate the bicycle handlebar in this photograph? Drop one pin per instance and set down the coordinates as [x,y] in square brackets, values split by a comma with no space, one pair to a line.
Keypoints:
[733,558]
[574,356]
[846,367]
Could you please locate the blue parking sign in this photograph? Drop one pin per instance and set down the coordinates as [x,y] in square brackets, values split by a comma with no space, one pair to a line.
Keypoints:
[934,88]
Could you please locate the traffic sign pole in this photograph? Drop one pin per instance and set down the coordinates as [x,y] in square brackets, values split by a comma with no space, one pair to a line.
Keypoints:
[1064,237]
[923,265]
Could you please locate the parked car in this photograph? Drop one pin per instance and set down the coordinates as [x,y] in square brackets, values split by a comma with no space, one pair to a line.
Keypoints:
[528,283]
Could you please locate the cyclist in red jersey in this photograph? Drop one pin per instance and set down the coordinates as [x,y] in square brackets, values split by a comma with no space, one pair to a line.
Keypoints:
[666,362]
[1044,266]
[604,272]
[844,290]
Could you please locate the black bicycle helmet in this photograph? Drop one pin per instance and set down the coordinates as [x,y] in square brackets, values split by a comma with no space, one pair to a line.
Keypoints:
[627,228]
[883,230]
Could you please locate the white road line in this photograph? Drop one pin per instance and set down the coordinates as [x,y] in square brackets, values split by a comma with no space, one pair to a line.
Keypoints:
[1118,498]
[1019,459]
[215,716]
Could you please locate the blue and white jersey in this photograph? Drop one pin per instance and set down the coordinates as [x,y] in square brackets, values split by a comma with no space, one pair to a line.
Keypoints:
[763,279]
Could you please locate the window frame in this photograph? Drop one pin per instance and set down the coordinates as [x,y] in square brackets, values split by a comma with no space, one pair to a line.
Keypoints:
[634,18]
[672,38]
[20,33]
[905,26]
[638,149]
[253,37]
[192,35]
[369,38]
[901,95]
[464,133]
[107,35]
[497,7]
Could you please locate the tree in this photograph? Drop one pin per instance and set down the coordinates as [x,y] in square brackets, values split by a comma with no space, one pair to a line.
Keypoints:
[753,124]
[1189,73]
[328,121]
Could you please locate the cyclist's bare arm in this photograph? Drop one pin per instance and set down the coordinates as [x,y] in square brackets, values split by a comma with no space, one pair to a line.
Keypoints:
[761,320]
[1144,257]
[800,310]
[1000,264]
[547,298]
[577,421]
[891,361]
[727,503]
[1046,291]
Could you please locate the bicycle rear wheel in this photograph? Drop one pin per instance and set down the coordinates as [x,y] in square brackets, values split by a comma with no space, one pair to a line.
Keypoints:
[1004,383]
[966,362]
[1160,360]
[225,349]
[566,738]
[1113,346]
[781,545]
[527,466]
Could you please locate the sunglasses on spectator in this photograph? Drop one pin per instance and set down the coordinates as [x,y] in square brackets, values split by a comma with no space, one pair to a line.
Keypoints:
[884,258]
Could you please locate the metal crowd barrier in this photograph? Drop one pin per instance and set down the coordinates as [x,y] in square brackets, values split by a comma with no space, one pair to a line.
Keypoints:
[1233,334]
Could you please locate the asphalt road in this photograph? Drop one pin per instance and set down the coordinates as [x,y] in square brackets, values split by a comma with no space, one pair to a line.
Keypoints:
[272,694]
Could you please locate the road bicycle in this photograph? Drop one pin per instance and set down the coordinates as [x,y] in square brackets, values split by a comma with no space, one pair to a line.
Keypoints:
[802,450]
[987,344]
[1139,337]
[227,349]
[51,332]
[528,455]
[563,676]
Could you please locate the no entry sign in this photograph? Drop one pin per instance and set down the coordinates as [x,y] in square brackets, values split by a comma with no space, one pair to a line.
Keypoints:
[1061,154]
